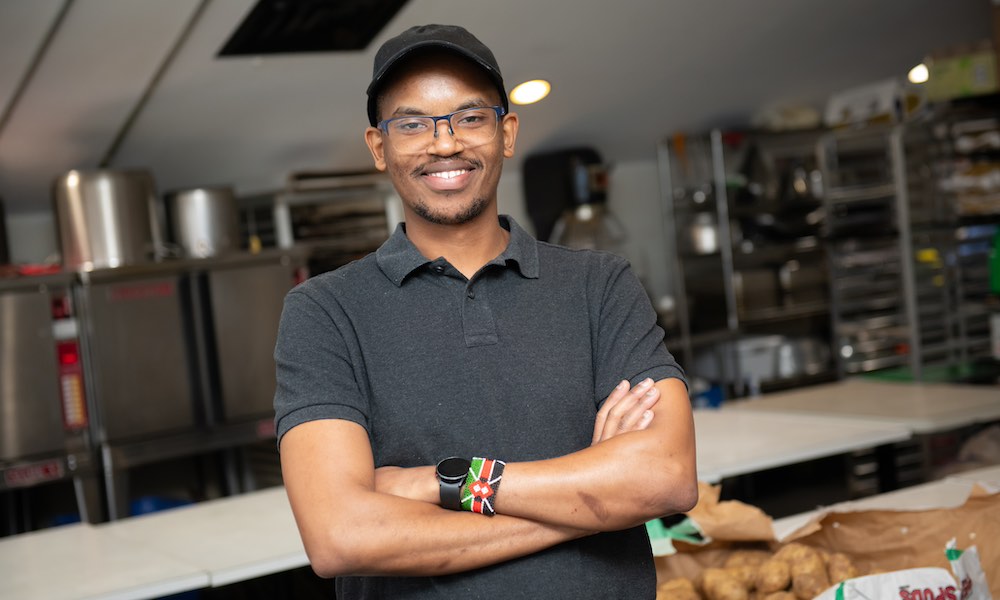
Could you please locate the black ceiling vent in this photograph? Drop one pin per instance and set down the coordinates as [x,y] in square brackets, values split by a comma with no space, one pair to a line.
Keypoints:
[289,26]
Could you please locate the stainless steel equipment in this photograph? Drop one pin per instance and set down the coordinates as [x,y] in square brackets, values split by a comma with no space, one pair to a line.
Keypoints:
[140,350]
[32,419]
[337,217]
[179,359]
[245,301]
[762,359]
[106,218]
[204,221]
[43,431]
[4,250]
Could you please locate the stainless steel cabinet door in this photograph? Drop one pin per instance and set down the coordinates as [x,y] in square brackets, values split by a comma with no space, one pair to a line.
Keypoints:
[141,356]
[30,411]
[246,308]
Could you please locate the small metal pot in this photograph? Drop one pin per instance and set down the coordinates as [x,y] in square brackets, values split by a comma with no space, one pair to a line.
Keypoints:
[204,221]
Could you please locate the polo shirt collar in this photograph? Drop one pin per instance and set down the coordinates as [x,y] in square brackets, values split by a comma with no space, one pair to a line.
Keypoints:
[398,257]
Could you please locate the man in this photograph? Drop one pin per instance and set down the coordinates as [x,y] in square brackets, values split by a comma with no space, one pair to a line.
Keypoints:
[463,338]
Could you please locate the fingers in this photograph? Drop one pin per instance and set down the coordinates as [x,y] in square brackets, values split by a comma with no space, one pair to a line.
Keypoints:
[629,412]
[646,396]
[613,398]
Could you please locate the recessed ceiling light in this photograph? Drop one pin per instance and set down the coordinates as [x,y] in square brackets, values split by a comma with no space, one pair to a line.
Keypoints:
[919,74]
[530,91]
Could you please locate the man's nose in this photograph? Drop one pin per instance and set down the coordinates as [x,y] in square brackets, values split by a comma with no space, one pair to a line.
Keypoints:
[445,143]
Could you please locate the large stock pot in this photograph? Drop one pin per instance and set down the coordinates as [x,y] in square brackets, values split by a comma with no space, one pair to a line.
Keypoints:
[106,218]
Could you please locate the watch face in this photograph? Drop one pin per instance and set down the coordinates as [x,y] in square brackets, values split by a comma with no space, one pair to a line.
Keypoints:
[453,469]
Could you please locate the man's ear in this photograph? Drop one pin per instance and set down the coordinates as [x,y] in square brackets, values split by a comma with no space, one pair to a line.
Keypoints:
[373,137]
[510,125]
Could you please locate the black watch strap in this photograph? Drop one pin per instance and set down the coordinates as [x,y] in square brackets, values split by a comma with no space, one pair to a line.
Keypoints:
[451,475]
[451,494]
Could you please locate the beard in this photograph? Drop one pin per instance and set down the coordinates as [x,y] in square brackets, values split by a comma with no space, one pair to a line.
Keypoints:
[427,212]
[468,213]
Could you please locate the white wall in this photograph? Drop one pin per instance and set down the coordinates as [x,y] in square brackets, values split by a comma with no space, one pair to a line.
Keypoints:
[634,197]
[32,237]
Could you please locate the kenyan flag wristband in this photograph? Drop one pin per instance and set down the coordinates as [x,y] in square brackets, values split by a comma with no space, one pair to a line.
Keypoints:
[481,486]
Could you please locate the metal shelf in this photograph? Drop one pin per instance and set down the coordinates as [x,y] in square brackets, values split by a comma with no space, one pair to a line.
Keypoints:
[917,290]
[767,315]
[861,193]
[714,173]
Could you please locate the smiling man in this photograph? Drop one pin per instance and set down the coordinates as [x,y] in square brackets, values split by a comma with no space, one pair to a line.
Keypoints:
[467,412]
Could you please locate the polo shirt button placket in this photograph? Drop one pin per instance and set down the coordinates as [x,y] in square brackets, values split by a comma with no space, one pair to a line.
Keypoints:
[471,294]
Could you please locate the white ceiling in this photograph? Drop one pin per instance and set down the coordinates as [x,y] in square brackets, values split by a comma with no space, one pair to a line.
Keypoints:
[625,73]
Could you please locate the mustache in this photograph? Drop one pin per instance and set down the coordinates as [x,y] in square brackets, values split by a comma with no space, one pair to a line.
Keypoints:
[471,162]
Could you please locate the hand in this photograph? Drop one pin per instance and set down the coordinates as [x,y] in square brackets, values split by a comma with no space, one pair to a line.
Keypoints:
[416,483]
[626,410]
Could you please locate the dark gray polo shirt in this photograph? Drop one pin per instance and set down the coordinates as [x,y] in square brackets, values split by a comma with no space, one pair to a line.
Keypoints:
[512,364]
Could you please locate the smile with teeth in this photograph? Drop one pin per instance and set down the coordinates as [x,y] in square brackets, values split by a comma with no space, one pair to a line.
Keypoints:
[448,174]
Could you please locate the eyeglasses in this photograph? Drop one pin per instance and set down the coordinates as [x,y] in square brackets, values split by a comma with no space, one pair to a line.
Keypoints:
[471,127]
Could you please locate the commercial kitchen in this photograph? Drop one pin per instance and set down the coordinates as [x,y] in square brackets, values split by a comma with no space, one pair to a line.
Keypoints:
[808,191]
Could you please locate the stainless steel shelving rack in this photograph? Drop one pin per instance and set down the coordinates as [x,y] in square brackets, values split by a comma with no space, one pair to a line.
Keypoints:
[729,289]
[907,262]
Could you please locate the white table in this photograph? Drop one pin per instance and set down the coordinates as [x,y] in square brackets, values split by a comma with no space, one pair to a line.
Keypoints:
[988,477]
[231,539]
[81,562]
[922,407]
[737,442]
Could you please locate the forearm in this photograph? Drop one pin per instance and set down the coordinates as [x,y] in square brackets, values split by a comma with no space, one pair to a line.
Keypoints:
[395,536]
[618,483]
[349,528]
[607,487]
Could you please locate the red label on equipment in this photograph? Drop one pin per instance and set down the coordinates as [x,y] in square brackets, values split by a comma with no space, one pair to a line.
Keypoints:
[123,293]
[26,475]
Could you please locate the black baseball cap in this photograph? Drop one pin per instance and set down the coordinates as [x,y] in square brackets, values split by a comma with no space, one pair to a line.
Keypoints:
[447,37]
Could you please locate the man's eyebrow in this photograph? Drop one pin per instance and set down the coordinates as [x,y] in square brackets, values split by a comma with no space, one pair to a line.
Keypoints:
[473,103]
[408,111]
[411,111]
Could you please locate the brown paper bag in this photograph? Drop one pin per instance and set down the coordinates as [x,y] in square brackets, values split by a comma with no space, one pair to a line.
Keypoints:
[877,540]
[892,540]
[729,525]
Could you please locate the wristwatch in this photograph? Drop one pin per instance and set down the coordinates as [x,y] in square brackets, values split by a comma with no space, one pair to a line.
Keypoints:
[451,474]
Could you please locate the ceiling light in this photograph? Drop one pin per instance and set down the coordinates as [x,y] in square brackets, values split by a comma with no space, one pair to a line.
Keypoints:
[530,91]
[919,74]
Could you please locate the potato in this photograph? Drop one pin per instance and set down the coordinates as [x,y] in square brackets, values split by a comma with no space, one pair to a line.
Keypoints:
[779,596]
[677,589]
[808,585]
[794,552]
[805,564]
[745,574]
[773,576]
[753,558]
[718,584]
[839,567]
[805,560]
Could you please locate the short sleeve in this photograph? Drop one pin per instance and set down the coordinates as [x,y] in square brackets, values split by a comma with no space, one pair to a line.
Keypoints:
[316,375]
[629,341]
